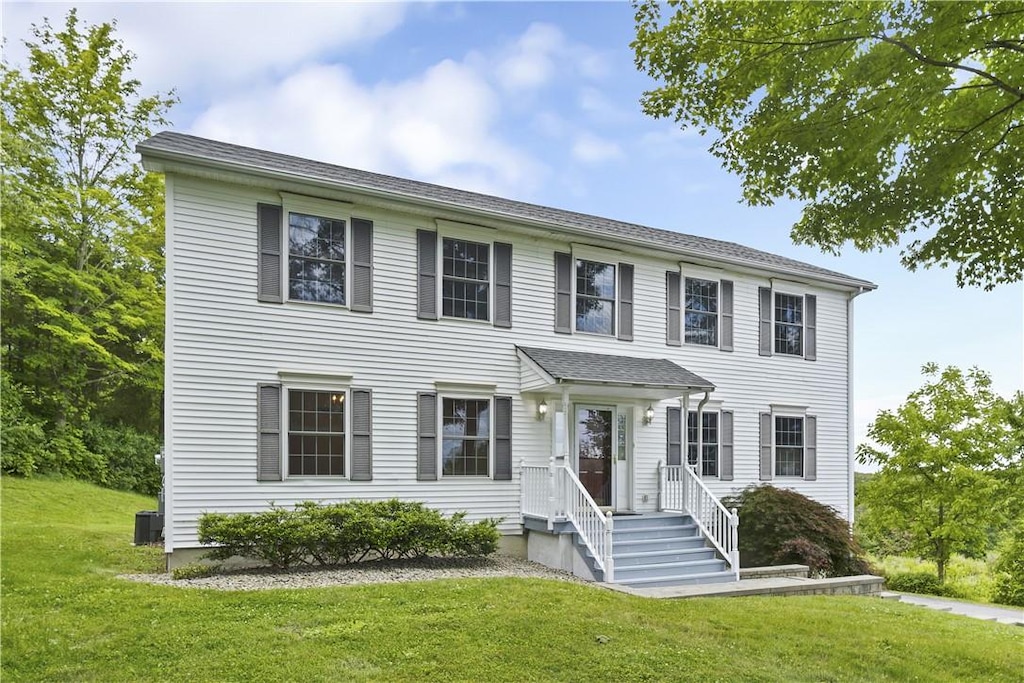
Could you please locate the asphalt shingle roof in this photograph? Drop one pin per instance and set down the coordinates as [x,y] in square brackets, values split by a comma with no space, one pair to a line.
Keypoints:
[187,147]
[598,367]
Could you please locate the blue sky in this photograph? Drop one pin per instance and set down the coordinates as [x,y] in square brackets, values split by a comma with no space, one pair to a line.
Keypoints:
[533,101]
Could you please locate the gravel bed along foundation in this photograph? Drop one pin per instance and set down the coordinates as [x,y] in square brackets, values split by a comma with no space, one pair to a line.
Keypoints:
[425,569]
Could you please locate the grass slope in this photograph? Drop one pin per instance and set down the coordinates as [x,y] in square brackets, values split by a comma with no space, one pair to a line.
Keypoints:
[67,617]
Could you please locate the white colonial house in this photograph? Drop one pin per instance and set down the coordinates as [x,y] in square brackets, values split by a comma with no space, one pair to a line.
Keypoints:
[336,334]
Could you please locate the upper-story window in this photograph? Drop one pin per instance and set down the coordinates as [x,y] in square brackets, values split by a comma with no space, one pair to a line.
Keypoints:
[701,312]
[706,461]
[316,432]
[316,258]
[789,446]
[595,297]
[465,437]
[466,282]
[789,324]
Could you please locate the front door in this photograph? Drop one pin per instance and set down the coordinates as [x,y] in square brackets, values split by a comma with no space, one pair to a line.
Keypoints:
[595,445]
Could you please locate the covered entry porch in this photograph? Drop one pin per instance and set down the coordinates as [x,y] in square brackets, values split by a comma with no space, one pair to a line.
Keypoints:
[595,485]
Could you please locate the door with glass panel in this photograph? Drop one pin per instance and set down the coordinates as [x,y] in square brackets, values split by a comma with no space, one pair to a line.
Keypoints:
[595,448]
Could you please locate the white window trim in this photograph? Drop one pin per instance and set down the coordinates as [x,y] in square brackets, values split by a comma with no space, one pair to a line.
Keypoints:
[803,449]
[718,305]
[803,322]
[717,410]
[309,383]
[322,208]
[470,396]
[455,231]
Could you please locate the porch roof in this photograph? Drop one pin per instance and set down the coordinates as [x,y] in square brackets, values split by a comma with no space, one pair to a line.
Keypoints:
[658,376]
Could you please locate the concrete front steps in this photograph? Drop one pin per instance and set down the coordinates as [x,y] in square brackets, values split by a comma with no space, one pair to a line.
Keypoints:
[662,549]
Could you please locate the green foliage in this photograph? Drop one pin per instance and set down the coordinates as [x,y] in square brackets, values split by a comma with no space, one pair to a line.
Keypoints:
[193,570]
[779,526]
[21,435]
[943,485]
[63,543]
[916,582]
[1009,569]
[886,119]
[81,303]
[344,532]
[129,457]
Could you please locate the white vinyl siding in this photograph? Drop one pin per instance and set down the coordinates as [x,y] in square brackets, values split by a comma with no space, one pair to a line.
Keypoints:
[223,343]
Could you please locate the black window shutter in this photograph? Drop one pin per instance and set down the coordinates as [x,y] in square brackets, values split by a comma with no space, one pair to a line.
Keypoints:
[563,293]
[725,468]
[674,432]
[426,259]
[725,343]
[810,327]
[626,301]
[269,236]
[503,438]
[811,448]
[268,426]
[426,443]
[362,435]
[362,265]
[764,298]
[673,312]
[502,285]
[767,466]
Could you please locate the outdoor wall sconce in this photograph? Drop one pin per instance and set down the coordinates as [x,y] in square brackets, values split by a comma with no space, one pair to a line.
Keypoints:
[542,409]
[649,415]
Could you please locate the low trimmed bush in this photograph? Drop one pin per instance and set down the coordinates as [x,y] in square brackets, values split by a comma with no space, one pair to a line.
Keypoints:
[193,570]
[779,526]
[915,582]
[340,533]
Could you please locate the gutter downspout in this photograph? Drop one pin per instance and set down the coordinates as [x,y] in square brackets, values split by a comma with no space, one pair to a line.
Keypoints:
[851,431]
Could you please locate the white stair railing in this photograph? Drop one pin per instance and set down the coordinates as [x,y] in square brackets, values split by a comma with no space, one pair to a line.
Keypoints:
[593,525]
[535,492]
[680,489]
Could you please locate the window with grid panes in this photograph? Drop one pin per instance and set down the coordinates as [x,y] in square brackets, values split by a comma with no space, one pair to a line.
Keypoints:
[316,433]
[595,297]
[700,319]
[465,437]
[466,278]
[316,258]
[709,446]
[789,324]
[789,446]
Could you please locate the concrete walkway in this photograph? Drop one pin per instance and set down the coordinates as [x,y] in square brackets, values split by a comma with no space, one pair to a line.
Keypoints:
[1004,615]
[777,586]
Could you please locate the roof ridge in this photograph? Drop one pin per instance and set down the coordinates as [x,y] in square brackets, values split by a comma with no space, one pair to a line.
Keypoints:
[723,250]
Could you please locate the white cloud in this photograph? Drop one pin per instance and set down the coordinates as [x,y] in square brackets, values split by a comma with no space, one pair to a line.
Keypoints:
[208,46]
[540,54]
[436,127]
[589,148]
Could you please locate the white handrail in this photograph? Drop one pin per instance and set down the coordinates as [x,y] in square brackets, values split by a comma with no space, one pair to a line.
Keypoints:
[593,526]
[680,489]
[534,491]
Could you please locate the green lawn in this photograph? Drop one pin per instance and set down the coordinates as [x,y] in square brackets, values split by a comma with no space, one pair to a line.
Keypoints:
[66,617]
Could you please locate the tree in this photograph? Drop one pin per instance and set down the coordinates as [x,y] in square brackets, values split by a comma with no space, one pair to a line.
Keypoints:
[942,462]
[82,299]
[895,123]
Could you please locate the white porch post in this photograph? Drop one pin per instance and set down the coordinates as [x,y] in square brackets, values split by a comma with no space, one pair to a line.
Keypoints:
[522,489]
[552,494]
[734,541]
[661,485]
[609,561]
[567,450]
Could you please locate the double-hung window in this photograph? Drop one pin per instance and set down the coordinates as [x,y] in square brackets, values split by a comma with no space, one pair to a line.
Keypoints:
[700,317]
[466,279]
[706,461]
[789,324]
[595,297]
[465,437]
[316,258]
[789,446]
[316,432]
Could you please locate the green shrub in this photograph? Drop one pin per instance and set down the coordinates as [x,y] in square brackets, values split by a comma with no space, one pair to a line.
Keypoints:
[915,582]
[778,526]
[1009,569]
[129,457]
[192,570]
[345,532]
[22,438]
